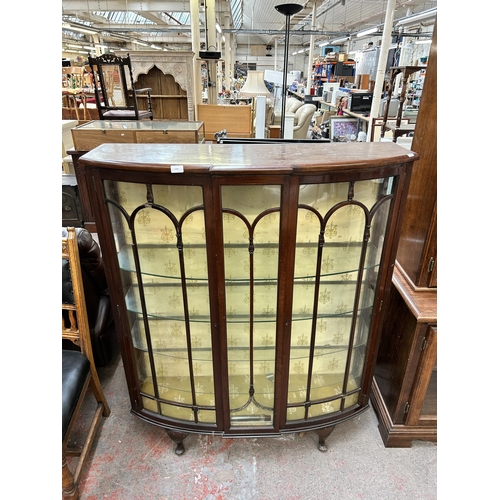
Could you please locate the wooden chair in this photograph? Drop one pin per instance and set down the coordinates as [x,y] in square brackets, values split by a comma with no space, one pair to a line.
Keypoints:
[73,92]
[116,97]
[78,368]
[73,77]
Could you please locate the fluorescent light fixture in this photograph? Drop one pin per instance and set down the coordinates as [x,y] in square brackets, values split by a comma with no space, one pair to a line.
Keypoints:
[141,43]
[323,44]
[156,47]
[367,32]
[294,53]
[417,17]
[339,40]
[88,48]
[217,27]
[77,28]
[421,42]
[300,51]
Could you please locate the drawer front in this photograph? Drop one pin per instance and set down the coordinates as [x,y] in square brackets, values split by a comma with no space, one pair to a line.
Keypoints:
[170,136]
[85,140]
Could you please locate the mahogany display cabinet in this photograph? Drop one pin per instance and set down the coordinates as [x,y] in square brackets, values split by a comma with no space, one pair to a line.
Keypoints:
[248,280]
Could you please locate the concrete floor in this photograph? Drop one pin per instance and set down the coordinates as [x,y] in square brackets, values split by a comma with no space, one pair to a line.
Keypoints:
[134,460]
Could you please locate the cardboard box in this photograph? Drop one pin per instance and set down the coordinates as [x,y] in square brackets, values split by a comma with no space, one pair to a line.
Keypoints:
[342,57]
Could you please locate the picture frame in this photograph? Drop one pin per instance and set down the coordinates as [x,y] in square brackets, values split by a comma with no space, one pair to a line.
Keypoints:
[343,127]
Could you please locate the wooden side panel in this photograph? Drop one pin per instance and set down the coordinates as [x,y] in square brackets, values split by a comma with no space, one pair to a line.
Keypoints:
[394,352]
[175,136]
[424,394]
[236,120]
[415,230]
[85,140]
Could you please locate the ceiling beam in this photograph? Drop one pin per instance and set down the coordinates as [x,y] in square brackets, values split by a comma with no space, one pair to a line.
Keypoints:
[138,6]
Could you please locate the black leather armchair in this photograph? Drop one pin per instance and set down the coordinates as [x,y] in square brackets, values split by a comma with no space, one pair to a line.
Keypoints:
[100,316]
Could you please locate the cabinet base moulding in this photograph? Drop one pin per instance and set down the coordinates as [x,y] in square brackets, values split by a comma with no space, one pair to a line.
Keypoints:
[398,435]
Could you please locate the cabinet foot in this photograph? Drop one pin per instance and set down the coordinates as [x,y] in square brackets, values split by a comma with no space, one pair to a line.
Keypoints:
[323,434]
[178,439]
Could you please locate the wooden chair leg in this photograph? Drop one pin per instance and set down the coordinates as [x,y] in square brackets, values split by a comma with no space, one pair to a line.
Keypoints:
[69,487]
[99,396]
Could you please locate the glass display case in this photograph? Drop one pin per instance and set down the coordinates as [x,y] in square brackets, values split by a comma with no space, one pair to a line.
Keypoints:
[94,133]
[248,280]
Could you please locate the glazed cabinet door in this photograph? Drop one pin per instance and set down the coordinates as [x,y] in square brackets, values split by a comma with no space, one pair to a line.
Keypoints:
[340,240]
[251,219]
[160,236]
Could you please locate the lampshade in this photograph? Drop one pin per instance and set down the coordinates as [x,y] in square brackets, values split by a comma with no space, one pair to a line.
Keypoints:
[254,85]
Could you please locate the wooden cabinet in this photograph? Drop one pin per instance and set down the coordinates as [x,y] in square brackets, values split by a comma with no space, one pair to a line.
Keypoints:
[405,389]
[248,281]
[92,134]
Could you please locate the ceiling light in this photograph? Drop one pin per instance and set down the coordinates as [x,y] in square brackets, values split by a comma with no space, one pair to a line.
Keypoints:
[339,40]
[156,47]
[217,27]
[72,27]
[417,17]
[420,42]
[367,32]
[323,44]
[141,43]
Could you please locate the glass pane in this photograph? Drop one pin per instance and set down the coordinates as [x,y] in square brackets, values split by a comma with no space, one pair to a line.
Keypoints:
[160,240]
[339,245]
[251,258]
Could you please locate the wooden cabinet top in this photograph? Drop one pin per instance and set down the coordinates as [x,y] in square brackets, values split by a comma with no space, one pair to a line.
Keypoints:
[249,158]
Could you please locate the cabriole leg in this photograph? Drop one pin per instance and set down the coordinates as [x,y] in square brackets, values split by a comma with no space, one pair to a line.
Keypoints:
[323,434]
[178,438]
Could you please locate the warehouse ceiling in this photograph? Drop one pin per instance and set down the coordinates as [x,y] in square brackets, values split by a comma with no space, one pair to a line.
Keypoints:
[167,25]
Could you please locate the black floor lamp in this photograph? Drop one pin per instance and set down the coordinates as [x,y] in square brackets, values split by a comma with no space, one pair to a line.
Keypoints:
[288,9]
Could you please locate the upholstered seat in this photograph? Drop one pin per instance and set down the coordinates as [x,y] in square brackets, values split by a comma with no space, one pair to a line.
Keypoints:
[75,370]
[304,116]
[292,104]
